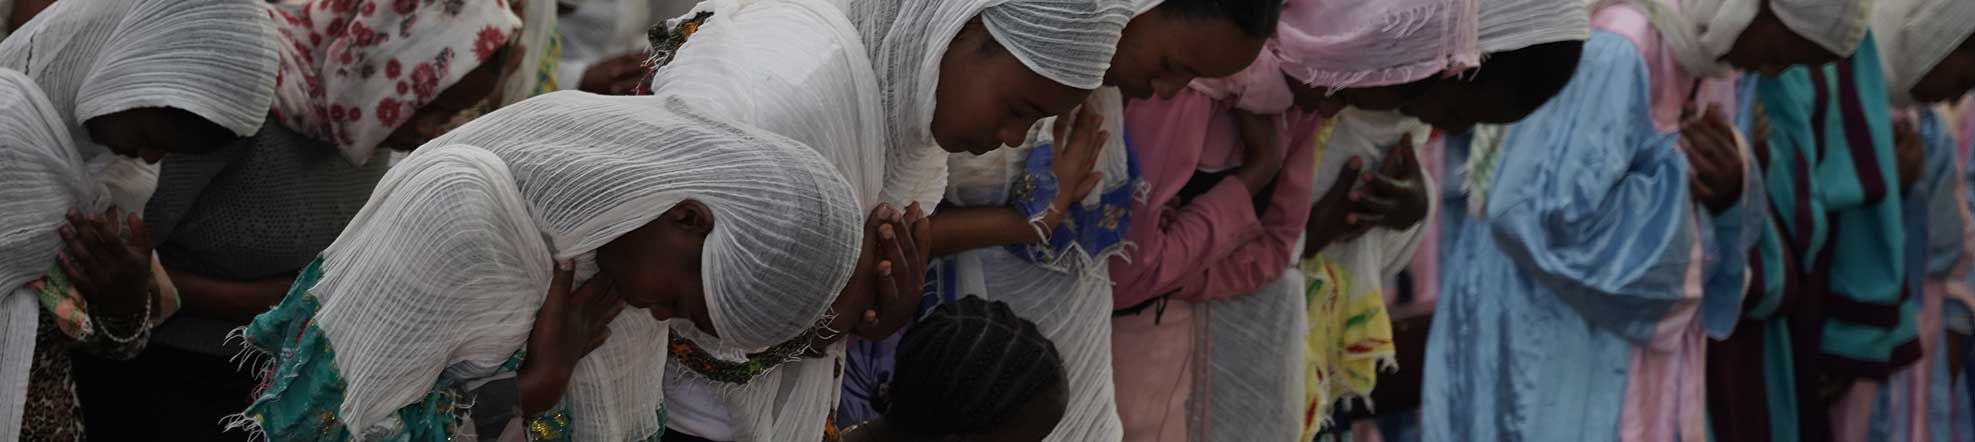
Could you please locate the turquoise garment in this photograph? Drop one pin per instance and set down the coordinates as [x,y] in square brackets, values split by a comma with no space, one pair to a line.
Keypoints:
[300,397]
[1834,186]
[1828,305]
[1582,252]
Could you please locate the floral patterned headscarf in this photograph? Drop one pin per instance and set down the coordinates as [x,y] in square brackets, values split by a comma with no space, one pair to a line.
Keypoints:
[352,71]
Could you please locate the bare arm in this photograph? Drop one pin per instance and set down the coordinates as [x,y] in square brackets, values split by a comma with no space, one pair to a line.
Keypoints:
[959,229]
[238,301]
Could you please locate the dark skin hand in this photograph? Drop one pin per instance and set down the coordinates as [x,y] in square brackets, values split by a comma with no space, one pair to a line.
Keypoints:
[1909,152]
[1394,197]
[1263,157]
[1709,143]
[883,291]
[614,76]
[111,272]
[569,325]
[1330,218]
[960,229]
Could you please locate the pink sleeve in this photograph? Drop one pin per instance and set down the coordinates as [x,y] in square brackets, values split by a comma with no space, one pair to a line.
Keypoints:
[1209,228]
[1261,260]
[1168,136]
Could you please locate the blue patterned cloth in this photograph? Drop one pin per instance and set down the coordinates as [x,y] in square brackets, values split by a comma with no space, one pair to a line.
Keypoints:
[1093,230]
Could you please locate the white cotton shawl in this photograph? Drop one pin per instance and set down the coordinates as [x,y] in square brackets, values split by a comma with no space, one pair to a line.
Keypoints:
[1915,35]
[855,80]
[83,59]
[1697,32]
[1070,301]
[1507,25]
[214,58]
[1250,350]
[1837,25]
[795,69]
[442,271]
[44,176]
[1067,41]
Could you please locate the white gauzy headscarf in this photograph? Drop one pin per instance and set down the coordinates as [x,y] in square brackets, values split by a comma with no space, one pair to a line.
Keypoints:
[1837,25]
[1069,299]
[1915,35]
[444,268]
[1700,32]
[41,177]
[212,58]
[797,69]
[1507,25]
[83,59]
[1067,41]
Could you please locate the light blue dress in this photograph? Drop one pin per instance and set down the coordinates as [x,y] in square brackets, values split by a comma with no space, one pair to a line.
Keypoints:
[1582,251]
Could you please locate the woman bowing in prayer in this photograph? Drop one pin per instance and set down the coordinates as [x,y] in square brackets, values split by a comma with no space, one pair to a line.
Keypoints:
[234,226]
[1034,226]
[883,89]
[1591,237]
[435,294]
[91,88]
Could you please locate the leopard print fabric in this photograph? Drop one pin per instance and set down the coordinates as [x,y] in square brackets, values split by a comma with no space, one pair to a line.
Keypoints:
[51,412]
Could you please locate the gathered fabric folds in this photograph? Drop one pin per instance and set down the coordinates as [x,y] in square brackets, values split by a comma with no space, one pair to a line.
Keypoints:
[43,177]
[855,80]
[213,58]
[1067,41]
[442,271]
[81,60]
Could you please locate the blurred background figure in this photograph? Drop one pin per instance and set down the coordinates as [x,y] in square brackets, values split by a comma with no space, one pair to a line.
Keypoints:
[603,41]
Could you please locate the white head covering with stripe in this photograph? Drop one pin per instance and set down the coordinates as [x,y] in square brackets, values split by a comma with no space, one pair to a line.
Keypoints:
[1837,25]
[1507,25]
[1067,41]
[1915,35]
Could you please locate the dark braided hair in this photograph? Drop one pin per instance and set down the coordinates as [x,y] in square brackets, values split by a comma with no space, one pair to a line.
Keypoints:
[969,368]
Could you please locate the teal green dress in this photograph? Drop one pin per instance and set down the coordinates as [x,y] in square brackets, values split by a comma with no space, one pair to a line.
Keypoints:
[302,390]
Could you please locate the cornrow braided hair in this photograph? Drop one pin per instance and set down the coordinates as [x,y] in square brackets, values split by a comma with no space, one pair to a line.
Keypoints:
[967,368]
